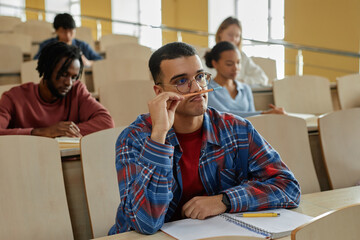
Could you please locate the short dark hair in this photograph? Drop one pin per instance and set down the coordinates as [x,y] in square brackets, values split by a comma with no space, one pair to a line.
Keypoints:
[169,51]
[51,55]
[215,52]
[64,20]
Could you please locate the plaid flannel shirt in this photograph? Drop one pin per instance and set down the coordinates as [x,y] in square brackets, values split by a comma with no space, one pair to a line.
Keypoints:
[234,159]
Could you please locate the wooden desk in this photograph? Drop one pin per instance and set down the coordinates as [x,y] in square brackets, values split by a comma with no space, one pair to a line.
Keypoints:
[313,204]
[69,149]
[263,96]
[334,199]
[75,187]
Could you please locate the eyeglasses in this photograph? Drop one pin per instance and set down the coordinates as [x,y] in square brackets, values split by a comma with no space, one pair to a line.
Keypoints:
[183,84]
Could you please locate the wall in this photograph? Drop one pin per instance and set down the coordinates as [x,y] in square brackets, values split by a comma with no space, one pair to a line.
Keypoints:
[323,23]
[186,14]
[96,8]
[38,4]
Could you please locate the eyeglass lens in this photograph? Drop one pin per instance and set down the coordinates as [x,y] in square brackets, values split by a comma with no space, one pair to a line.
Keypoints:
[202,79]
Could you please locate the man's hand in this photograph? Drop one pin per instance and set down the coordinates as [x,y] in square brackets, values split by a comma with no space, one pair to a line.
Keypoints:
[86,62]
[162,111]
[203,206]
[274,110]
[68,129]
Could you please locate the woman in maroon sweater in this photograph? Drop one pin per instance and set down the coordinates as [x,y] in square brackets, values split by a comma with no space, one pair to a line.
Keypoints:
[59,105]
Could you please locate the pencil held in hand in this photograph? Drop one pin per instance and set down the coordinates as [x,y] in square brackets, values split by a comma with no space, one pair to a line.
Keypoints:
[259,214]
[201,92]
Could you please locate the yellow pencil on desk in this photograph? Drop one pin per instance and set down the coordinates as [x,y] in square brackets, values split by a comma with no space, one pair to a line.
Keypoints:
[201,92]
[259,214]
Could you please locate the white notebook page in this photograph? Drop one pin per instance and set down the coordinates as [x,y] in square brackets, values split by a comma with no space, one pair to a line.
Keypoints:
[219,226]
[188,229]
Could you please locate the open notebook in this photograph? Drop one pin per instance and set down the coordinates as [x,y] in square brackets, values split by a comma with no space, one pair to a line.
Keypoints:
[233,225]
[68,140]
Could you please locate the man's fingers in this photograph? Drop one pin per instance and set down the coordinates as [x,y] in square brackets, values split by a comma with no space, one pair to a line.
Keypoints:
[75,126]
[173,105]
[70,129]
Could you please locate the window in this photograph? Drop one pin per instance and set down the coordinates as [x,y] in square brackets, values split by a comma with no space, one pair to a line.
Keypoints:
[216,17]
[65,6]
[143,11]
[150,14]
[9,11]
[256,16]
[75,10]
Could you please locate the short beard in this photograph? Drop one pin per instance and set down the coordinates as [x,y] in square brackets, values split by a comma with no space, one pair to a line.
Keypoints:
[53,90]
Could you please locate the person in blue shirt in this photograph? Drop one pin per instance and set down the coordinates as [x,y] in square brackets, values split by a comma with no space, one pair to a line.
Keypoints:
[65,29]
[185,160]
[235,97]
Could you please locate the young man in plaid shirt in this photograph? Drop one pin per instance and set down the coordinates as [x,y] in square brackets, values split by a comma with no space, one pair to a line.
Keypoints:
[184,160]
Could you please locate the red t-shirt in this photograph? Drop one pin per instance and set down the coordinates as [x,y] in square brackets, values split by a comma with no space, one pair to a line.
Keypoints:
[189,164]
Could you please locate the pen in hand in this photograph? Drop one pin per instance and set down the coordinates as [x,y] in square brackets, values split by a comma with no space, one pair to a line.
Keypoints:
[258,214]
[201,92]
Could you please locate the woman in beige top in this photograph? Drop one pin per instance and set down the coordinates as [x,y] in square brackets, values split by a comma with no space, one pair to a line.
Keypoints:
[230,30]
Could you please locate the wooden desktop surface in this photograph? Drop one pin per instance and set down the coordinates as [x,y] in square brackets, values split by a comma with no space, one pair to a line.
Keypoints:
[313,204]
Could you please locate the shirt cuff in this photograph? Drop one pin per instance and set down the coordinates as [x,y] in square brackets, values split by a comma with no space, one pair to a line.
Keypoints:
[238,200]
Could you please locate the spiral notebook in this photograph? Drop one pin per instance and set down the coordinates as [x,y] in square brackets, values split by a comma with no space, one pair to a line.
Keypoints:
[230,224]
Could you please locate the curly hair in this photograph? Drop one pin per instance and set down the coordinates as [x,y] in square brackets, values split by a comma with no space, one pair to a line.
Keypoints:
[51,55]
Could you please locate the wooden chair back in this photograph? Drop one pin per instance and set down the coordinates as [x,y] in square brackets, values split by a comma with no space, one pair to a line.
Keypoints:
[108,71]
[348,89]
[10,59]
[101,186]
[29,72]
[303,94]
[38,30]
[126,100]
[33,199]
[7,23]
[128,50]
[289,136]
[337,224]
[22,41]
[113,39]
[42,23]
[10,62]
[85,34]
[268,65]
[339,137]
